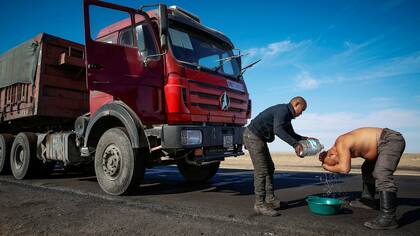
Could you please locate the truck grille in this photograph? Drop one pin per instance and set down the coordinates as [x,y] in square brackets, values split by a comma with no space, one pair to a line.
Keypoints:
[207,98]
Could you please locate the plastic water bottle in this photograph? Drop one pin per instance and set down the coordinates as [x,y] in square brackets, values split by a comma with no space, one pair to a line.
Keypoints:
[310,147]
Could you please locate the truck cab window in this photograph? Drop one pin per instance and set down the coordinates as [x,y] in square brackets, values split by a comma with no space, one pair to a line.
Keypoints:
[145,42]
[209,61]
[126,38]
[192,46]
[111,39]
[228,67]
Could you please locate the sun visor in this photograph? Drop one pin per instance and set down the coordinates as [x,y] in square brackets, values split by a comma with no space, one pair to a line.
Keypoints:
[192,23]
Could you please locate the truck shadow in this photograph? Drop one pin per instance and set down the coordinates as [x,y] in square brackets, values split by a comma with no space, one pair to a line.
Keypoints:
[167,180]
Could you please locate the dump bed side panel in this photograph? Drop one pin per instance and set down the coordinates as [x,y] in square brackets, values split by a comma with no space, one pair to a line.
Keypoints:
[57,91]
[62,86]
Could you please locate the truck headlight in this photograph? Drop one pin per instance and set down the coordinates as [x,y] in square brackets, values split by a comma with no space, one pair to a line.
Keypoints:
[191,137]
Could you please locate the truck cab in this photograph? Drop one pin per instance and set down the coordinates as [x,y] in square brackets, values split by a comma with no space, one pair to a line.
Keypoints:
[180,78]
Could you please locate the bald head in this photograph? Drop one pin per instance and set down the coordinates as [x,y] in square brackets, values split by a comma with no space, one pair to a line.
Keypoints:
[298,100]
[299,105]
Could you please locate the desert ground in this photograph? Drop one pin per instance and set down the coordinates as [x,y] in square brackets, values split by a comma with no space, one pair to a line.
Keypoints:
[409,163]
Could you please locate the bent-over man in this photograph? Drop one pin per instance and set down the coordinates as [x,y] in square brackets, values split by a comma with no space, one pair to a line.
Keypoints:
[275,120]
[382,150]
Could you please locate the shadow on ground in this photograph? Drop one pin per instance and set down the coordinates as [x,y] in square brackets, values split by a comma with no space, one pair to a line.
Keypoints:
[168,181]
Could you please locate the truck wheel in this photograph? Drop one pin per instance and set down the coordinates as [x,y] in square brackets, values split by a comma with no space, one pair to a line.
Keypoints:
[23,160]
[118,169]
[197,174]
[6,141]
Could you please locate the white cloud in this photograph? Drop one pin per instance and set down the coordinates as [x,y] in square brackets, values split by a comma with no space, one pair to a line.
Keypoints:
[351,49]
[388,68]
[331,125]
[374,68]
[403,65]
[274,49]
[394,118]
[305,81]
[327,127]
[357,62]
[280,47]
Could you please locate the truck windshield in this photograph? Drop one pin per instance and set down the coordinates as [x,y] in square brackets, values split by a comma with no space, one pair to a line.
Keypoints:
[198,48]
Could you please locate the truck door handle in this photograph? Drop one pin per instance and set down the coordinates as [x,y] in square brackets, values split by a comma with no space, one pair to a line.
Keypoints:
[95,66]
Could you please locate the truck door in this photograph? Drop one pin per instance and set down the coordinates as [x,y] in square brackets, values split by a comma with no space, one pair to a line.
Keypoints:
[120,44]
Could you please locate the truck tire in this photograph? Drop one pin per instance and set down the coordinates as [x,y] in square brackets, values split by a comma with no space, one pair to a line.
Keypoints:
[197,174]
[23,160]
[118,168]
[6,141]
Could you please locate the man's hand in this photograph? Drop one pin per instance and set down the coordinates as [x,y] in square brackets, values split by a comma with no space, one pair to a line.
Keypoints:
[327,163]
[299,150]
[322,156]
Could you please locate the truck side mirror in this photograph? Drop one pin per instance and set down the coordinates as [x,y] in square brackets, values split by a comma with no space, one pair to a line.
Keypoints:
[163,21]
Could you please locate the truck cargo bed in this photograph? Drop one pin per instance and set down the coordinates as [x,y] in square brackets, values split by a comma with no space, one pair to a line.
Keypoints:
[57,93]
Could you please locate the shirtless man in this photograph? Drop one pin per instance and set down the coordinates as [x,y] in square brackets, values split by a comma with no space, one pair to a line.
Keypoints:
[382,150]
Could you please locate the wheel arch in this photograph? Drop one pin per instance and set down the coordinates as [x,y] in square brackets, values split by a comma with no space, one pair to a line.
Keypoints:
[112,115]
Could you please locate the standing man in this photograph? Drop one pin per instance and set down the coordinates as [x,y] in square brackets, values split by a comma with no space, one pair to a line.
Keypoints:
[382,150]
[275,120]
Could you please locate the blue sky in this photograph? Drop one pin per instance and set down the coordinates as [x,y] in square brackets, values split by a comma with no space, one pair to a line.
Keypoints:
[356,62]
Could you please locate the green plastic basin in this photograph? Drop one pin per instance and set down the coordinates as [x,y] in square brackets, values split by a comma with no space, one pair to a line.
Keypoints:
[324,205]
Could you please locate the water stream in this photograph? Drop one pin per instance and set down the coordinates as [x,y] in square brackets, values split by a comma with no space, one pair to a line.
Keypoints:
[332,185]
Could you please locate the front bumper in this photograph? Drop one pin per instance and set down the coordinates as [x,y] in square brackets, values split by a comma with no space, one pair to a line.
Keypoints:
[212,137]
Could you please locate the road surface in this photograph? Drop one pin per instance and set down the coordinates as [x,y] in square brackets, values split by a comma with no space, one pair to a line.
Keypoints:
[165,204]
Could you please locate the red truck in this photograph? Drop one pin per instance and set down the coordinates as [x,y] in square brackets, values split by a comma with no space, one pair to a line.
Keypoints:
[147,88]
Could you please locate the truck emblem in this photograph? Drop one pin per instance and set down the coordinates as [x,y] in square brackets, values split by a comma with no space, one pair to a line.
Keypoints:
[224,101]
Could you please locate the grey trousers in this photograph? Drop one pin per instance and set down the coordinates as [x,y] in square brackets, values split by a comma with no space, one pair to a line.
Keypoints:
[391,146]
[263,165]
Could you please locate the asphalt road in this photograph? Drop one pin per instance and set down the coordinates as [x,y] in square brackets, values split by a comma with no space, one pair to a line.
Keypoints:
[166,204]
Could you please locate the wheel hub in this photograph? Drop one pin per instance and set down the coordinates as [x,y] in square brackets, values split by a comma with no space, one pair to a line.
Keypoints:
[20,153]
[111,161]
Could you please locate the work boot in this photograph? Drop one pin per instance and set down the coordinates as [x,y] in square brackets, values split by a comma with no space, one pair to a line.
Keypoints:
[261,207]
[387,217]
[272,201]
[367,201]
[264,209]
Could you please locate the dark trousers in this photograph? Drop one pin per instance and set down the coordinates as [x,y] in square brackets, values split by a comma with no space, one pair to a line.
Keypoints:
[263,165]
[391,146]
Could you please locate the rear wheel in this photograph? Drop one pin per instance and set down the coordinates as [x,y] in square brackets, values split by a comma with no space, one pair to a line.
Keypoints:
[197,174]
[118,168]
[23,160]
[6,141]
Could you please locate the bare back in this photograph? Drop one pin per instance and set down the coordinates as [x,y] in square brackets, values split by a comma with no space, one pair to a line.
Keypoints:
[362,142]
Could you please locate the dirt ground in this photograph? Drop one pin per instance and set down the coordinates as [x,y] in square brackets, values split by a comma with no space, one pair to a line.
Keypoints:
[167,205]
[33,211]
[409,163]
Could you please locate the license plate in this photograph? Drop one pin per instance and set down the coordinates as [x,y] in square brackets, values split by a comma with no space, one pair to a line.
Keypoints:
[228,141]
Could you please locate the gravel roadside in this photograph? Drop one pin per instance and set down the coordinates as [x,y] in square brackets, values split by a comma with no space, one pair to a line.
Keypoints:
[35,211]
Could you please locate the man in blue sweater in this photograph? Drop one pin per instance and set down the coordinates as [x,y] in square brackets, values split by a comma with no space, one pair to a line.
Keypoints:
[275,120]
